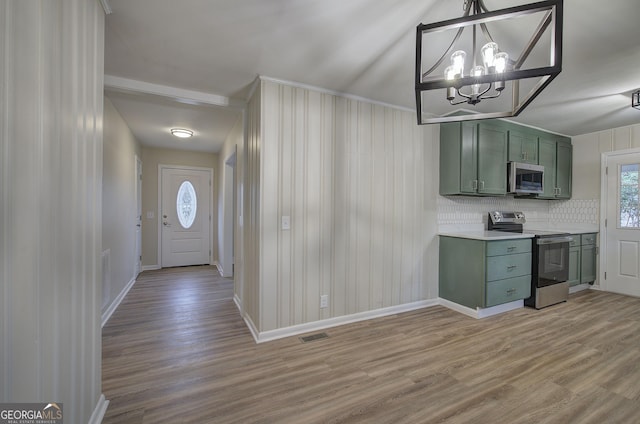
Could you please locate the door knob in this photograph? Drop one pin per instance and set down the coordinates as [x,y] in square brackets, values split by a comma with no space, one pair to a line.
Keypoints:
[166,224]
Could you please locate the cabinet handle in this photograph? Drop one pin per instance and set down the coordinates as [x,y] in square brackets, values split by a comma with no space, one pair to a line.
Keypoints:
[474,184]
[511,267]
[559,191]
[511,291]
[524,155]
[511,248]
[481,185]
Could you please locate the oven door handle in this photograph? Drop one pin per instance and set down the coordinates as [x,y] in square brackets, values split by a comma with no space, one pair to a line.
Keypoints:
[554,240]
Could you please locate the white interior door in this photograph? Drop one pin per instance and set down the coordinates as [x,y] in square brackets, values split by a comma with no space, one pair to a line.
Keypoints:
[138,230]
[622,228]
[186,217]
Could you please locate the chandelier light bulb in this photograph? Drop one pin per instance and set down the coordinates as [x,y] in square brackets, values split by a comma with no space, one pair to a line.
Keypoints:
[477,71]
[500,62]
[488,53]
[457,61]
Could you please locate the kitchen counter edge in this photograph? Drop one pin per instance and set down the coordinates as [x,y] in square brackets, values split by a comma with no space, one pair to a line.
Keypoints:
[486,235]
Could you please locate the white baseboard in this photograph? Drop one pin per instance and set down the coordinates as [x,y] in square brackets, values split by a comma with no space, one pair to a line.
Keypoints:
[479,313]
[219,268]
[116,302]
[294,330]
[238,303]
[252,328]
[99,410]
[150,267]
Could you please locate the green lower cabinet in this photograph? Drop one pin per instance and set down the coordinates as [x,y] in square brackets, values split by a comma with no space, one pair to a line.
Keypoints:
[480,274]
[588,264]
[574,266]
[504,291]
[583,255]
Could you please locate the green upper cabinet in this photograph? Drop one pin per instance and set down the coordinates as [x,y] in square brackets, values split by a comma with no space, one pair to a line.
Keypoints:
[523,146]
[473,158]
[563,170]
[555,156]
[547,157]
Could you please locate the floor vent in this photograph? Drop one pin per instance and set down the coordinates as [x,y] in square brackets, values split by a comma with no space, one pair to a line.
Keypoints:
[314,337]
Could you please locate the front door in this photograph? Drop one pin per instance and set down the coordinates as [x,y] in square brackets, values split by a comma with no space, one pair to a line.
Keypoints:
[622,229]
[185,216]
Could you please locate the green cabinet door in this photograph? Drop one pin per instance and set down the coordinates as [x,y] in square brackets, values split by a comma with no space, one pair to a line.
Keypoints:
[574,265]
[588,263]
[547,157]
[523,147]
[469,158]
[563,170]
[473,159]
[492,159]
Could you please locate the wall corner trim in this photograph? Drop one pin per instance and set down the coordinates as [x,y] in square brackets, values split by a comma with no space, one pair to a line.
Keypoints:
[99,410]
[116,302]
[294,330]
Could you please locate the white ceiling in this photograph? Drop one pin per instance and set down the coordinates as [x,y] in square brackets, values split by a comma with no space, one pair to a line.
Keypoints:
[360,47]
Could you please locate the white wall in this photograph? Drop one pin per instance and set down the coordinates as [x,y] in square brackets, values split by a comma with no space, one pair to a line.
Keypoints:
[119,202]
[587,150]
[358,181]
[51,100]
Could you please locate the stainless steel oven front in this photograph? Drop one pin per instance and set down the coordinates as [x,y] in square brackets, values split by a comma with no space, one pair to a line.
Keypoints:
[552,260]
[550,270]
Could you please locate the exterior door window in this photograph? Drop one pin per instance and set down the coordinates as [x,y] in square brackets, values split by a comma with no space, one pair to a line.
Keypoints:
[186,204]
[629,197]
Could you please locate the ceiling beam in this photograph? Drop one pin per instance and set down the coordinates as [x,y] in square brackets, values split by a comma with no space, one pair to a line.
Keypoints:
[178,94]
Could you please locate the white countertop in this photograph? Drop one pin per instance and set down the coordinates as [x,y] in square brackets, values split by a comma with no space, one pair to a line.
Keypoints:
[486,235]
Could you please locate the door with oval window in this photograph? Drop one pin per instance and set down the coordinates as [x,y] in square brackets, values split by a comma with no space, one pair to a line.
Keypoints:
[185,216]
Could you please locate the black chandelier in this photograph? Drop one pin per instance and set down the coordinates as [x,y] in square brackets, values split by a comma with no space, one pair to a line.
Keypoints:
[492,69]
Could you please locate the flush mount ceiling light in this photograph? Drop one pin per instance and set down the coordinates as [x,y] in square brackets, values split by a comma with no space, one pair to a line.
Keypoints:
[478,68]
[635,99]
[181,132]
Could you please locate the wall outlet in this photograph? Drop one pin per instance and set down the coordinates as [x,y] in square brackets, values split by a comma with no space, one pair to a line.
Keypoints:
[324,301]
[286,222]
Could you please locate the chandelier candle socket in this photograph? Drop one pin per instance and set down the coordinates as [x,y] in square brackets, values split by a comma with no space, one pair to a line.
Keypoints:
[479,67]
[635,99]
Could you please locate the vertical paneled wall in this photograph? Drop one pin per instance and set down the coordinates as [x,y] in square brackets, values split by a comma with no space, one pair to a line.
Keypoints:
[51,105]
[251,209]
[356,180]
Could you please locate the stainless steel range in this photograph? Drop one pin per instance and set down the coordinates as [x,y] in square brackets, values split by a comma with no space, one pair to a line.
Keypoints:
[550,259]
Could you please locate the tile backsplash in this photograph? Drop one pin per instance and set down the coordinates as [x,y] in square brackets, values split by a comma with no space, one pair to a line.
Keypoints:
[473,210]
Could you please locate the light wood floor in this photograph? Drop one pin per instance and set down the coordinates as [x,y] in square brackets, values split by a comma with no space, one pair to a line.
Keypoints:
[177,351]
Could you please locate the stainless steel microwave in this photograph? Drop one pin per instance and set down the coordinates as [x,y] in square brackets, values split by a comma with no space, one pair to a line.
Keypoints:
[525,178]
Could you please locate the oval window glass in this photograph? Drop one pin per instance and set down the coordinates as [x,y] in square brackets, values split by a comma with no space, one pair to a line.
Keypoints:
[186,204]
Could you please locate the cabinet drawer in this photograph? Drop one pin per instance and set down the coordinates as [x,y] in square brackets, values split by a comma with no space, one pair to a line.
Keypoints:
[588,239]
[508,266]
[503,291]
[507,247]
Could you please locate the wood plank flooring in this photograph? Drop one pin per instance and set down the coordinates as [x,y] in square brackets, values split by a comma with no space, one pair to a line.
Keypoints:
[177,351]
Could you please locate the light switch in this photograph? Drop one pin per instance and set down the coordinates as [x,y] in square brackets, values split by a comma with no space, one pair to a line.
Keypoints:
[150,215]
[286,222]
